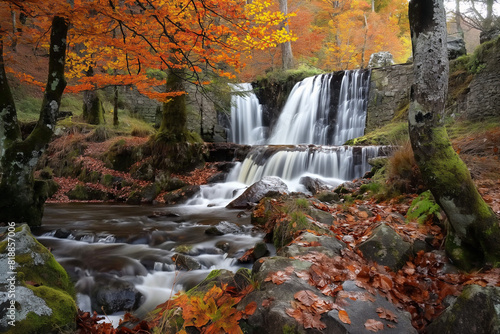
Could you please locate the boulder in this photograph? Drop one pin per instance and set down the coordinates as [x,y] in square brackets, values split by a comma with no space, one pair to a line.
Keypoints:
[185,262]
[456,47]
[381,59]
[386,248]
[363,307]
[181,195]
[315,185]
[36,293]
[111,294]
[267,186]
[324,244]
[475,311]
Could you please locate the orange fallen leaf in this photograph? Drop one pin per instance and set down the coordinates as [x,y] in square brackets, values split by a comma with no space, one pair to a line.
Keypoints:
[344,317]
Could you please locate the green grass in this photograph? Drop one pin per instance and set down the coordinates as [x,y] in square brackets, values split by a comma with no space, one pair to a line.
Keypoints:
[390,134]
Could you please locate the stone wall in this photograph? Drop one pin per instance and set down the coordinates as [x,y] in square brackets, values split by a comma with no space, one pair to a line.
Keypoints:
[483,96]
[389,93]
[202,115]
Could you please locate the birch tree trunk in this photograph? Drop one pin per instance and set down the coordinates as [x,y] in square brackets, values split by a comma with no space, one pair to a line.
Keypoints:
[21,197]
[473,238]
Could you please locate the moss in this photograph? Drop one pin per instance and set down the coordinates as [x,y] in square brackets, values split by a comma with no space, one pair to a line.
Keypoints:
[390,134]
[63,308]
[289,329]
[423,208]
[107,180]
[184,249]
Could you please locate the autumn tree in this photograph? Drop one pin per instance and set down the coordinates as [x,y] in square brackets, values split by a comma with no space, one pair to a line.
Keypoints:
[358,29]
[21,197]
[192,41]
[474,233]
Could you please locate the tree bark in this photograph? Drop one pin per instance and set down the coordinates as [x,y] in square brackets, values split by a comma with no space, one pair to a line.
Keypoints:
[286,48]
[473,238]
[93,112]
[21,197]
[174,118]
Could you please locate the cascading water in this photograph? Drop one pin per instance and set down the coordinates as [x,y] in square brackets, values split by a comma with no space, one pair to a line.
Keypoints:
[246,117]
[310,117]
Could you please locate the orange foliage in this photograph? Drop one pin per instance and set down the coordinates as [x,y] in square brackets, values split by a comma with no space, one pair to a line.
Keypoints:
[123,40]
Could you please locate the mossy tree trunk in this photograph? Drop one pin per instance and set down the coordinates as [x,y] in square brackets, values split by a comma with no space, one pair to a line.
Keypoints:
[93,112]
[21,197]
[473,238]
[173,125]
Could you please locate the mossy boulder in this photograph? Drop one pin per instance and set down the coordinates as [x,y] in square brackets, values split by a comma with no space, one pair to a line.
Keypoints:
[44,297]
[475,311]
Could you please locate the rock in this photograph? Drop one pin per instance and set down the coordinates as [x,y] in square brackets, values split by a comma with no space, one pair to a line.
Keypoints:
[185,262]
[216,277]
[86,193]
[456,47]
[180,196]
[260,250]
[325,244]
[364,306]
[111,294]
[62,233]
[380,59]
[328,196]
[212,230]
[273,318]
[267,186]
[386,248]
[489,35]
[315,185]
[475,311]
[44,294]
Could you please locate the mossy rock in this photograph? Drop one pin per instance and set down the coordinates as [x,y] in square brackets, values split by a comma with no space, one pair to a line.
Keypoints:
[44,301]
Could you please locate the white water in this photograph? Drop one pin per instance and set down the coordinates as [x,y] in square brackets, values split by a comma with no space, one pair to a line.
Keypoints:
[246,117]
[308,118]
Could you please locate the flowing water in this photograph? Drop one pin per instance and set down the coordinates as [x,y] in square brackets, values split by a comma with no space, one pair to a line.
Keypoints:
[135,244]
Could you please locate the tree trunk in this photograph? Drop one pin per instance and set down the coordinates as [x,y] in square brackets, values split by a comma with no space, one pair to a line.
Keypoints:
[174,118]
[458,19]
[21,197]
[286,48]
[473,238]
[93,112]
[115,107]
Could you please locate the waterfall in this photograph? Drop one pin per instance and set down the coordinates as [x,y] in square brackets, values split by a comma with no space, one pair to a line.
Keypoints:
[336,163]
[246,116]
[310,117]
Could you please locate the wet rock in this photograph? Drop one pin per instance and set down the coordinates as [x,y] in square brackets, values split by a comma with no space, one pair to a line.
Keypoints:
[44,293]
[386,247]
[315,185]
[260,250]
[223,245]
[111,294]
[184,262]
[62,233]
[475,311]
[212,230]
[266,187]
[180,196]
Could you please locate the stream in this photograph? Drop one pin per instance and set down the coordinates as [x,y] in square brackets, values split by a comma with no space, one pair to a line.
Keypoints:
[100,244]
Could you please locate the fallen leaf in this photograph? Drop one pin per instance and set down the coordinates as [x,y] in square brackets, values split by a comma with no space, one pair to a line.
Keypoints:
[344,317]
[374,325]
[386,314]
